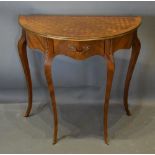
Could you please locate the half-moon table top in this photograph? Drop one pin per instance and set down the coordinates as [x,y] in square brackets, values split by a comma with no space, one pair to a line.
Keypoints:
[79,27]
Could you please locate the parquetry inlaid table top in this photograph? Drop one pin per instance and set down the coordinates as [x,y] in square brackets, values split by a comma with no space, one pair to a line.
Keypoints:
[79,37]
[79,27]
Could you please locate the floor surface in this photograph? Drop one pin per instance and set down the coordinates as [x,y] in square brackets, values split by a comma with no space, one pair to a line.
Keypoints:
[80,128]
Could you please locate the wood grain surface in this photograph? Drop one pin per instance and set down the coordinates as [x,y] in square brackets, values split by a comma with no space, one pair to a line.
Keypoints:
[79,37]
[79,27]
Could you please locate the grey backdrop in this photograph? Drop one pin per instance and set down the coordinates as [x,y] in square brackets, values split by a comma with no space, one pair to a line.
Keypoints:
[77,80]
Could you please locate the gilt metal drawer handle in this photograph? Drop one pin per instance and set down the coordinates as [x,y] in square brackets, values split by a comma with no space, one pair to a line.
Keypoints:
[79,49]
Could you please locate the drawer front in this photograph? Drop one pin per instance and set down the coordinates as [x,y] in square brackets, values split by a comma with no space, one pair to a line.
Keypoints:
[79,49]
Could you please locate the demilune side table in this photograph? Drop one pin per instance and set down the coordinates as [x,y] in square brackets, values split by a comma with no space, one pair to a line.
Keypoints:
[79,37]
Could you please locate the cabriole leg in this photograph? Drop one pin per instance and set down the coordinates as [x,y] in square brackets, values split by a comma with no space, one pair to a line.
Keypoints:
[110,73]
[48,74]
[23,57]
[134,55]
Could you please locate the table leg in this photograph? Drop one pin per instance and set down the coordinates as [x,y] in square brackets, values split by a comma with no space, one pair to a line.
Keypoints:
[23,57]
[110,73]
[134,55]
[48,74]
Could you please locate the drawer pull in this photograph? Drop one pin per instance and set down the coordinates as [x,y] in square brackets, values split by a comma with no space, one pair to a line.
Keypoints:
[79,49]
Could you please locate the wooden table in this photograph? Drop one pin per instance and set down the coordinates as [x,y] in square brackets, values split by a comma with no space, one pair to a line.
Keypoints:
[79,37]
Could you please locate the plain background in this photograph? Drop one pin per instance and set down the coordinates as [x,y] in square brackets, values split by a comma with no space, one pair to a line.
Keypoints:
[69,74]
